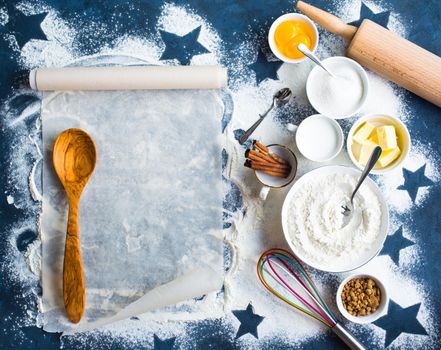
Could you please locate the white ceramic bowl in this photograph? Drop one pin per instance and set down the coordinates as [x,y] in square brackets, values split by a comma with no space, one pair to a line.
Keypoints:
[283,18]
[314,74]
[309,137]
[381,310]
[346,265]
[279,182]
[269,181]
[381,119]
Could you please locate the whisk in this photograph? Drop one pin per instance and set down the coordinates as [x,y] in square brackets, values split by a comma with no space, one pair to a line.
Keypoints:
[278,268]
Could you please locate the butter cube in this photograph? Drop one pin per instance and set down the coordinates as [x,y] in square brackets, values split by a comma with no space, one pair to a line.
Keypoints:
[356,148]
[363,133]
[387,138]
[366,150]
[374,137]
[389,156]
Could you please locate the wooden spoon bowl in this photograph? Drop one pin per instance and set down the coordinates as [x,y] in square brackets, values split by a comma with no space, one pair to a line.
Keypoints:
[74,158]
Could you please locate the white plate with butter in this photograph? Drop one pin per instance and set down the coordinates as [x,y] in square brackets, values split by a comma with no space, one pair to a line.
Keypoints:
[388,132]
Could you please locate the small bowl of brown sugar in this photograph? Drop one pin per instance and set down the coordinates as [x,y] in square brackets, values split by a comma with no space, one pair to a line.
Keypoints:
[362,298]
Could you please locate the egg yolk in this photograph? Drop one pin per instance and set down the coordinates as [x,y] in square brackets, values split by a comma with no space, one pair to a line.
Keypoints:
[290,34]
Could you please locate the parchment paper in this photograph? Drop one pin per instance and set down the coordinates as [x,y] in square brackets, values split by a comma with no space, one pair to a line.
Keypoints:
[128,78]
[151,213]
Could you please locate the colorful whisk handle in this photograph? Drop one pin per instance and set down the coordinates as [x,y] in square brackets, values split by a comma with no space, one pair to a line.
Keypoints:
[347,337]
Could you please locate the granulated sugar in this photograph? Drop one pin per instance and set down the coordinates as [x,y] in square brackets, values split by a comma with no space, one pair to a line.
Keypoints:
[257,226]
[338,95]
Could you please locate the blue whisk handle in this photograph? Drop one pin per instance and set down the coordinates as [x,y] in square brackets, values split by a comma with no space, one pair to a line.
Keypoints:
[347,337]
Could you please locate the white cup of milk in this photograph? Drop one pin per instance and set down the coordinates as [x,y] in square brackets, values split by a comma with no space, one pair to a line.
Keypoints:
[318,138]
[269,181]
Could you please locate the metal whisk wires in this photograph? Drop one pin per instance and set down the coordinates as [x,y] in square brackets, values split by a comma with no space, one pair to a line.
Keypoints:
[281,268]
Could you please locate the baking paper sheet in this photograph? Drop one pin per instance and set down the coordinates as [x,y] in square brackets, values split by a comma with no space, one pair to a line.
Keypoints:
[151,213]
[128,78]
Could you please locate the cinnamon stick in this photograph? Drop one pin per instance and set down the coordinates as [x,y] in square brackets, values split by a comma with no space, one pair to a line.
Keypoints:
[252,154]
[247,163]
[271,165]
[259,167]
[284,175]
[262,148]
[278,158]
[260,159]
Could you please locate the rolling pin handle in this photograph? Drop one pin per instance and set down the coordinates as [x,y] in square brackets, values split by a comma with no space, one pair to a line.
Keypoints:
[326,20]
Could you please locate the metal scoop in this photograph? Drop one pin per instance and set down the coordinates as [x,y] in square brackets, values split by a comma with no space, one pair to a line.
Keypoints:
[280,98]
[348,208]
[308,53]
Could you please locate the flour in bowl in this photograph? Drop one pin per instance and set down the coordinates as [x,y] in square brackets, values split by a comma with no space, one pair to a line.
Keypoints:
[315,220]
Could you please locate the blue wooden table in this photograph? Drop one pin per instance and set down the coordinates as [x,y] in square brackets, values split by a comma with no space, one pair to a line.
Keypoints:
[21,24]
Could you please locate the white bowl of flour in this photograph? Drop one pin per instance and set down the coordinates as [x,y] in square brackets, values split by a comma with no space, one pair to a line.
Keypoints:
[312,219]
[341,96]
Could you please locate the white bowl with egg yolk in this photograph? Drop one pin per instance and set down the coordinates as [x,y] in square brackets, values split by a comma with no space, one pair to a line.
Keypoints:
[403,140]
[291,17]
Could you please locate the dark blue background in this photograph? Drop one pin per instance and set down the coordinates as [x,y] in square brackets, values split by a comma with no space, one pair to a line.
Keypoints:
[423,21]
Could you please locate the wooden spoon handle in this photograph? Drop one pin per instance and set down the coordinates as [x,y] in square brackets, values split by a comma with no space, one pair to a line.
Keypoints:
[326,20]
[74,291]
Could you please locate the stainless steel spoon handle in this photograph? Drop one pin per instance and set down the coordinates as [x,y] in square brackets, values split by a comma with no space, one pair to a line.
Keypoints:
[308,53]
[347,337]
[376,153]
[253,127]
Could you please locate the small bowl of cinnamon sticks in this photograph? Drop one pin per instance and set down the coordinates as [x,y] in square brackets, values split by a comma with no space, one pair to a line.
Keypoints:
[275,165]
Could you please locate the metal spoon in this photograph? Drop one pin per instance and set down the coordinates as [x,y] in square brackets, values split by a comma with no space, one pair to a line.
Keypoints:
[347,209]
[280,98]
[308,53]
[74,159]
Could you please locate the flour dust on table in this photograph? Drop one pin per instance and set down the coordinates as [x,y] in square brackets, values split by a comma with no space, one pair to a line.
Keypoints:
[254,226]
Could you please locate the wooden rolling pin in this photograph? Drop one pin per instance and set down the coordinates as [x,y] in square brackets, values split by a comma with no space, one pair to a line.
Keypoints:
[385,53]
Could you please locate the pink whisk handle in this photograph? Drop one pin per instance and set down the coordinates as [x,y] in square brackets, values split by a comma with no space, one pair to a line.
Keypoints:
[347,337]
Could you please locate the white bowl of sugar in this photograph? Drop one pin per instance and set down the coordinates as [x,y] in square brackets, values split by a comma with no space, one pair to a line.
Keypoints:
[341,96]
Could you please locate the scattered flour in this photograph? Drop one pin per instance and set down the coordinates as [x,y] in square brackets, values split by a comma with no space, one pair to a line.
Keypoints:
[349,10]
[189,20]
[35,192]
[10,199]
[33,257]
[55,51]
[420,155]
[4,17]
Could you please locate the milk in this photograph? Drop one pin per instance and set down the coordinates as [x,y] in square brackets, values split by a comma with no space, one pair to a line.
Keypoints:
[319,138]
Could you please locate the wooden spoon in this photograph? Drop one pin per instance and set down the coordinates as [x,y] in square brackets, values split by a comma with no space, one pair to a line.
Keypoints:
[74,159]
